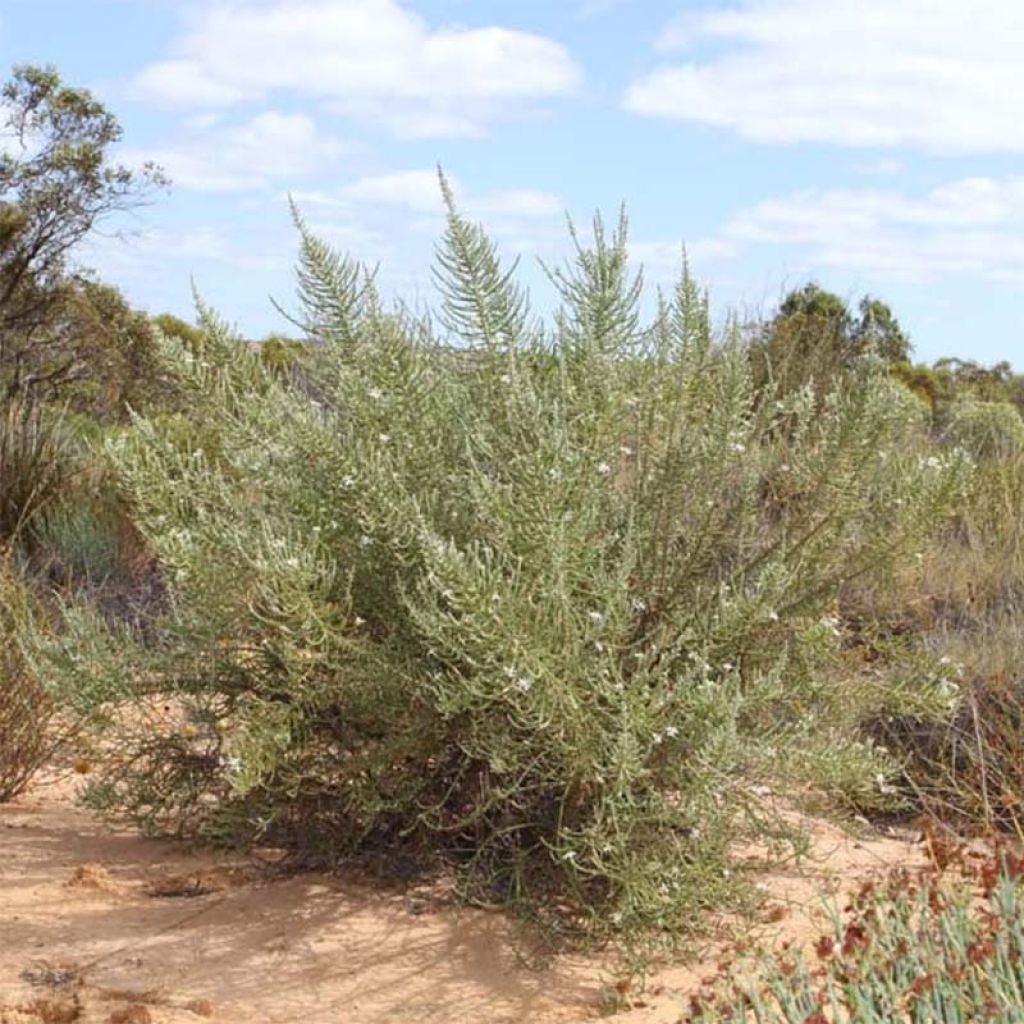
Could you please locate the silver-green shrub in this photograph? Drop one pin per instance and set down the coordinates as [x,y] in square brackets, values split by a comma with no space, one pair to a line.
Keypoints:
[986,429]
[552,601]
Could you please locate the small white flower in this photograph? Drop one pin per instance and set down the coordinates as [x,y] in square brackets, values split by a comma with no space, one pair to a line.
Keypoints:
[599,647]
[604,469]
[727,666]
[375,394]
[365,541]
[933,462]
[524,684]
[695,832]
[657,737]
[596,617]
[671,732]
[773,616]
[738,447]
[883,786]
[637,605]
[505,378]
[384,438]
[359,620]
[626,450]
[348,482]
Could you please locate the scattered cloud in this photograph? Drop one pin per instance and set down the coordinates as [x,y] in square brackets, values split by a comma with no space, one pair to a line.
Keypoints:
[971,227]
[373,60]
[149,251]
[937,74]
[417,191]
[883,167]
[590,8]
[184,83]
[665,259]
[212,156]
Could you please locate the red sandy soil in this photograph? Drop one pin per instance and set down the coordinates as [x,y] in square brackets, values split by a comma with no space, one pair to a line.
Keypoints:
[104,927]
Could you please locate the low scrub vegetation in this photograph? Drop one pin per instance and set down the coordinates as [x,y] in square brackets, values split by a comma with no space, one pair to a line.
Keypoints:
[550,604]
[553,604]
[924,949]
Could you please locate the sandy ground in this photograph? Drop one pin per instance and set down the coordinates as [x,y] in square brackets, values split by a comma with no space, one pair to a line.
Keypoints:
[104,927]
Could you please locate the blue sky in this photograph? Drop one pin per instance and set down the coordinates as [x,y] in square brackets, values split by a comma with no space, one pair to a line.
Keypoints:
[871,145]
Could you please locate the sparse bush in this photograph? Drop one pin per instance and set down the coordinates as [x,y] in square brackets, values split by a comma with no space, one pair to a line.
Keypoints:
[550,603]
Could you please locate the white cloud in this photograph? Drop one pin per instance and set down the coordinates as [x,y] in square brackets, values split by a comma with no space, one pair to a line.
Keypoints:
[212,157]
[939,74]
[882,167]
[590,8]
[418,191]
[665,259]
[184,83]
[196,246]
[974,227]
[370,59]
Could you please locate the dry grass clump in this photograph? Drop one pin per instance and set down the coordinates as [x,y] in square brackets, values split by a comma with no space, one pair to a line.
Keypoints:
[26,711]
[962,606]
[35,466]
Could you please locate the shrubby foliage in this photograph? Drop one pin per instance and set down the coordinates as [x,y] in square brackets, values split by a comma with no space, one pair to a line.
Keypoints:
[986,429]
[555,603]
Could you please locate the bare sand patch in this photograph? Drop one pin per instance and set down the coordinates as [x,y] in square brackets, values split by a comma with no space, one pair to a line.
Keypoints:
[99,926]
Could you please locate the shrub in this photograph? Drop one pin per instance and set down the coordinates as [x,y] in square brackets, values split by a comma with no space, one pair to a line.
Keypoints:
[550,602]
[986,429]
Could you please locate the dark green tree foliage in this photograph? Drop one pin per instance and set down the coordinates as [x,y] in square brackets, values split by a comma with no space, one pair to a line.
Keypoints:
[878,327]
[57,181]
[814,337]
